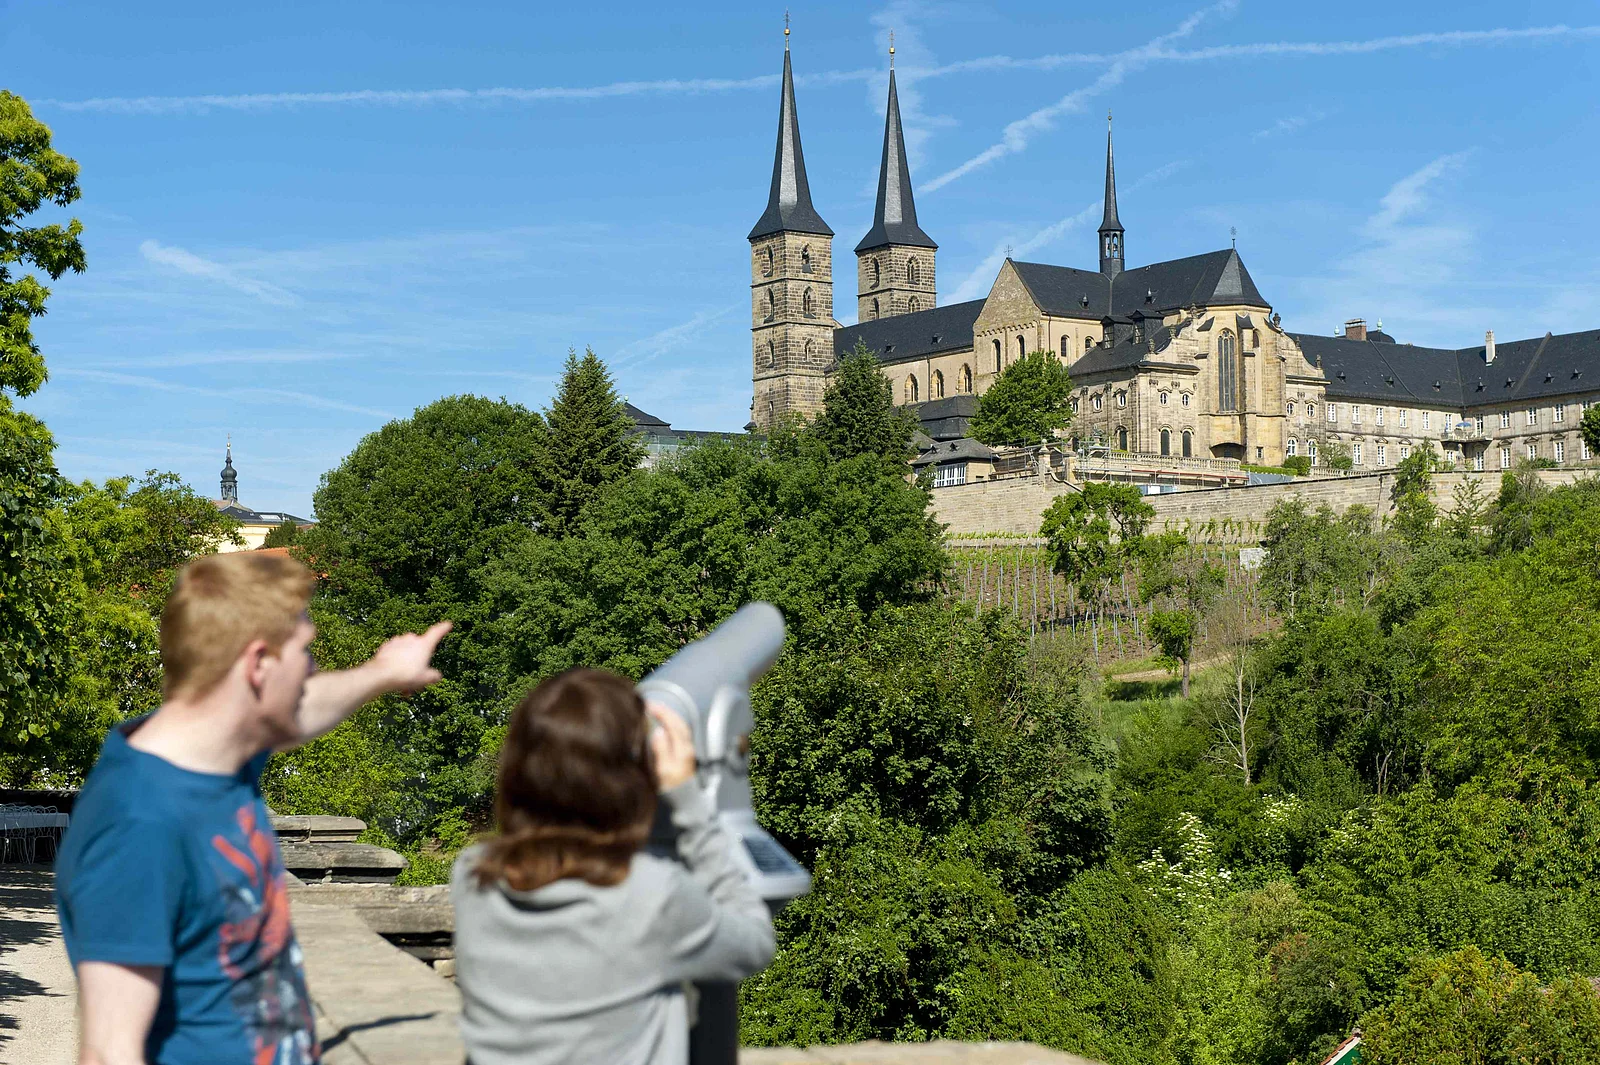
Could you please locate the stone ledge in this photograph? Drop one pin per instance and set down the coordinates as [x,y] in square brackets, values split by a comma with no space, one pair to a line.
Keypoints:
[351,862]
[317,828]
[382,1006]
[940,1050]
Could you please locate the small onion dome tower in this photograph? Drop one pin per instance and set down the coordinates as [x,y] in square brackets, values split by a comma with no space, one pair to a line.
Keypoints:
[230,477]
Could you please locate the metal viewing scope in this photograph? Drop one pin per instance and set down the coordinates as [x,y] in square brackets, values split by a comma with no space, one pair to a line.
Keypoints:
[708,685]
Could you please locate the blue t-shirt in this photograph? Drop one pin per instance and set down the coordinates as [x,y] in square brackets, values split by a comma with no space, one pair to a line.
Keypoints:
[167,867]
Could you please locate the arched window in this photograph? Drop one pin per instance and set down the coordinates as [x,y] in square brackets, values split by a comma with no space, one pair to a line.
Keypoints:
[877,272]
[1311,410]
[810,350]
[1088,345]
[1022,347]
[936,385]
[805,304]
[1188,443]
[1163,396]
[875,310]
[1096,401]
[913,272]
[911,389]
[772,354]
[1311,446]
[767,305]
[997,366]
[1122,400]
[1227,373]
[1185,399]
[766,267]
[1293,448]
[913,304]
[964,378]
[1072,405]
[1166,441]
[1122,438]
[805,260]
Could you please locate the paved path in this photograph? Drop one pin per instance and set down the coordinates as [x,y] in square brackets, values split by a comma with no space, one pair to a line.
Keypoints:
[38,1022]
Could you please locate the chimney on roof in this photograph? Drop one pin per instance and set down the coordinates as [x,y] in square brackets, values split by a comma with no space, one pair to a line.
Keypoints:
[1355,329]
[1488,347]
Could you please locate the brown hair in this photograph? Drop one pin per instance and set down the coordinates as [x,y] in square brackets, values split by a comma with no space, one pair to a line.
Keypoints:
[218,606]
[576,791]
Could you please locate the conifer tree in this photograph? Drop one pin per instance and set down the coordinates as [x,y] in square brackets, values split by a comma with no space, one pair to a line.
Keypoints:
[858,413]
[591,441]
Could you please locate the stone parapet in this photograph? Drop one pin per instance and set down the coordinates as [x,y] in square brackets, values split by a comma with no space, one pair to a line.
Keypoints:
[937,1052]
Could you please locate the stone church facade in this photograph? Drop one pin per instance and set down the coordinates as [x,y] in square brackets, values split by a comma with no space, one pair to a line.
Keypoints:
[1181,360]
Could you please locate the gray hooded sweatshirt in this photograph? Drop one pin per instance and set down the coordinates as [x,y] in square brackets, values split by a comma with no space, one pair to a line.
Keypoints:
[571,972]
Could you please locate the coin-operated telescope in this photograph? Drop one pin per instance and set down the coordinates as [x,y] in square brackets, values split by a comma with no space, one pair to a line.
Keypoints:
[708,685]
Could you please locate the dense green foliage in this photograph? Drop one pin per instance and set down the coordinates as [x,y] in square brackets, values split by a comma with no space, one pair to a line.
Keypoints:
[859,416]
[1026,404]
[591,440]
[285,534]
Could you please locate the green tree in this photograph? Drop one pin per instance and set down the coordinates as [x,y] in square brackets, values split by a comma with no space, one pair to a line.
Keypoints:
[591,440]
[1093,535]
[405,524]
[32,174]
[128,539]
[287,534]
[1187,583]
[1466,1007]
[858,414]
[1337,457]
[1589,428]
[1414,512]
[36,581]
[1026,404]
[1316,560]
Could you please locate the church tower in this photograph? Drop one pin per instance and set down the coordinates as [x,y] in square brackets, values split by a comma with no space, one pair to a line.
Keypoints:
[791,283]
[230,477]
[1111,260]
[894,261]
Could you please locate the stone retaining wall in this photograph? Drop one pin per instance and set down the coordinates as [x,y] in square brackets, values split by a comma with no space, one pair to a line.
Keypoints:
[1014,507]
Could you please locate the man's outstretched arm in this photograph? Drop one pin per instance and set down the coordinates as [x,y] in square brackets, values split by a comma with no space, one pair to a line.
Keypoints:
[116,1004]
[400,665]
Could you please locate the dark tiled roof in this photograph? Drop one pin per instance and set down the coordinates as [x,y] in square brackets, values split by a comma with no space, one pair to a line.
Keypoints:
[1124,353]
[657,431]
[1212,279]
[955,451]
[912,336]
[947,418]
[241,513]
[1523,370]
[789,203]
[643,420]
[895,220]
[1109,222]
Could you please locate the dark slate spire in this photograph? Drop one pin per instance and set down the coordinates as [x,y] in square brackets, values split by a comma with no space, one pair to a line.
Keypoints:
[895,221]
[789,205]
[1111,252]
[230,478]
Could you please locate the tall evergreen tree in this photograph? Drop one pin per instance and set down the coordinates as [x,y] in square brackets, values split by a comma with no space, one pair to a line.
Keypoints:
[858,413]
[592,441]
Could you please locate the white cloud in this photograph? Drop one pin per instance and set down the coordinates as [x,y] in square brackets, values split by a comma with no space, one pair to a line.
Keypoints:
[186,262]
[638,352]
[1289,124]
[1020,133]
[256,395]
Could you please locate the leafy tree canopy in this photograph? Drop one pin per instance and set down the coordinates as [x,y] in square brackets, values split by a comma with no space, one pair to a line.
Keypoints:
[32,175]
[591,442]
[1026,404]
[858,414]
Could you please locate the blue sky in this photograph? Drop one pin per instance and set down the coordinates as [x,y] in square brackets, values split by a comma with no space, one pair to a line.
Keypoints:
[306,219]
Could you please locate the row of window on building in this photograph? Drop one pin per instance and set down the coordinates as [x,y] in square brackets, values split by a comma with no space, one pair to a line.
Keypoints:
[1357,413]
[769,261]
[808,306]
[913,388]
[1380,453]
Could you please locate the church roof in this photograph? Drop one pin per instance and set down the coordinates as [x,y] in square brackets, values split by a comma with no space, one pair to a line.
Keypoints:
[1124,352]
[789,206]
[1522,371]
[1212,279]
[912,336]
[895,220]
[1110,223]
[245,516]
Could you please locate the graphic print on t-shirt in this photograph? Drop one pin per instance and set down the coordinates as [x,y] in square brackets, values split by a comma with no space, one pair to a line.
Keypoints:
[257,949]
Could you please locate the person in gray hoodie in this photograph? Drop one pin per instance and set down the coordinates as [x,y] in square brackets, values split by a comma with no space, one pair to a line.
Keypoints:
[572,943]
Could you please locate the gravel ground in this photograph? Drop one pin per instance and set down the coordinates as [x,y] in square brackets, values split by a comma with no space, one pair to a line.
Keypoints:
[38,996]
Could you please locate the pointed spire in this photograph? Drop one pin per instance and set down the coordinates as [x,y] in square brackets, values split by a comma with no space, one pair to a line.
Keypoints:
[1111,251]
[789,204]
[895,221]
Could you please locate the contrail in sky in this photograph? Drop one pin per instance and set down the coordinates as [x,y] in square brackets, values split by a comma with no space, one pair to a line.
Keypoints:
[262,101]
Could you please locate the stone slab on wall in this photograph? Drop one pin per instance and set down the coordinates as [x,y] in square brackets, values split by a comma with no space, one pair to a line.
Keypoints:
[937,1052]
